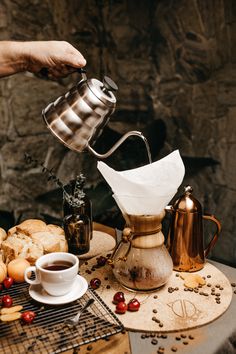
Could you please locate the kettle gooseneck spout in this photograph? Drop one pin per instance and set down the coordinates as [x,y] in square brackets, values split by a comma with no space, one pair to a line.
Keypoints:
[119,142]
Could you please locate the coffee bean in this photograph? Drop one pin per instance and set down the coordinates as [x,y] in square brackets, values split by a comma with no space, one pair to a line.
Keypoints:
[190,289]
[161,349]
[177,274]
[217,294]
[154,341]
[164,336]
[147,335]
[201,293]
[143,336]
[233,285]
[221,288]
[185,289]
[154,318]
[204,278]
[195,290]
[176,289]
[218,301]
[199,286]
[89,347]
[183,335]
[161,324]
[217,285]
[185,342]
[205,294]
[154,311]
[155,296]
[174,349]
[234,291]
[209,285]
[191,337]
[157,321]
[208,276]
[152,335]
[178,338]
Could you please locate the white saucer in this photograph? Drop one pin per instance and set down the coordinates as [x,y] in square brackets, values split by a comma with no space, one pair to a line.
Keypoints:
[79,289]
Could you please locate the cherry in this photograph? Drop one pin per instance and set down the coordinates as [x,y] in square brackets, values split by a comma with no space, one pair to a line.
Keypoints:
[118,297]
[133,305]
[95,283]
[121,307]
[7,301]
[28,316]
[7,282]
[1,287]
[101,261]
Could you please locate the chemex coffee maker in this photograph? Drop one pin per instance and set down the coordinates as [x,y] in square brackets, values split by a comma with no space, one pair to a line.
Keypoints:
[78,117]
[185,238]
[141,262]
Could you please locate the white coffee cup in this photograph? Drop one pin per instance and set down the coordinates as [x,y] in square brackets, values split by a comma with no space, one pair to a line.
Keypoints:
[54,282]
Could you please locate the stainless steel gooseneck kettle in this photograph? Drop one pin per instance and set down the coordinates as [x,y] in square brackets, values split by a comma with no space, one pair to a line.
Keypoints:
[78,117]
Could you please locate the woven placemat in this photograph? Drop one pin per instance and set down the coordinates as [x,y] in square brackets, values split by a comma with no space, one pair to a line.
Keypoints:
[165,311]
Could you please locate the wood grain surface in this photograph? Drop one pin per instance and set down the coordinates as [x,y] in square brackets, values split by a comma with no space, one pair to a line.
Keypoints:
[174,311]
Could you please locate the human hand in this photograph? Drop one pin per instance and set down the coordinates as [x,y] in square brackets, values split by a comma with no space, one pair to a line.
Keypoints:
[60,58]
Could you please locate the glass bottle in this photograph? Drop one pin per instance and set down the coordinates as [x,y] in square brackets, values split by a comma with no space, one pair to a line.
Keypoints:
[77,217]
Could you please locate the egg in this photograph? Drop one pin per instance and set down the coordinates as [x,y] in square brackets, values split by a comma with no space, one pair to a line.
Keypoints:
[16,269]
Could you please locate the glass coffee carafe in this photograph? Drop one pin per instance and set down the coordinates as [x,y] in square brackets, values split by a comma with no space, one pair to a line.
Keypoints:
[141,261]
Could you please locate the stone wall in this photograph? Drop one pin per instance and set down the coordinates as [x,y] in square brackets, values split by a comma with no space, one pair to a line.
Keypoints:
[175,65]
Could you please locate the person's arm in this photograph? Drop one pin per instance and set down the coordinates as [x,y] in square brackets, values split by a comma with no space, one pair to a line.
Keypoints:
[59,57]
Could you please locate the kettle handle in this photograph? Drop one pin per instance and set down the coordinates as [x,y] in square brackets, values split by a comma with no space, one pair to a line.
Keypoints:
[216,235]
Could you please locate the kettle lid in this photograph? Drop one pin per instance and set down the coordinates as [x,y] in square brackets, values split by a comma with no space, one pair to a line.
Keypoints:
[104,90]
[187,202]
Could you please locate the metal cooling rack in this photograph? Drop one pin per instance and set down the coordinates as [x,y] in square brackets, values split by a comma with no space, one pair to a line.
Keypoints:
[47,334]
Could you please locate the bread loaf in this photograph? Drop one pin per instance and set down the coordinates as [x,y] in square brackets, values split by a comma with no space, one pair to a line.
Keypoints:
[3,235]
[32,239]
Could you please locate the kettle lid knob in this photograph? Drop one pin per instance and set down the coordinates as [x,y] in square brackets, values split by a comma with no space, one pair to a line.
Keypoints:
[109,84]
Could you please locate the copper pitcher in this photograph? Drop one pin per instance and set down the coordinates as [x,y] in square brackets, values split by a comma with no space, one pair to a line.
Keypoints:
[185,238]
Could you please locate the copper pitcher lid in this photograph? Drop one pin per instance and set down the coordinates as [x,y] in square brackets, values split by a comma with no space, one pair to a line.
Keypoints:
[187,203]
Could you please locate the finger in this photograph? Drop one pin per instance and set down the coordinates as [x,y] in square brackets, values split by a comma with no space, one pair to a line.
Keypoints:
[75,59]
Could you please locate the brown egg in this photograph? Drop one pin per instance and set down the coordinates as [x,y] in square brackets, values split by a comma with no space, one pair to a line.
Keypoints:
[16,269]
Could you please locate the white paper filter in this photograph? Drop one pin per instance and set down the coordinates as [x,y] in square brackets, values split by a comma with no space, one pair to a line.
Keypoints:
[148,189]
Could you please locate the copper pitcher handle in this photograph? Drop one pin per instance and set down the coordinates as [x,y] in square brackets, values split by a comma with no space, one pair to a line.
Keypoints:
[216,235]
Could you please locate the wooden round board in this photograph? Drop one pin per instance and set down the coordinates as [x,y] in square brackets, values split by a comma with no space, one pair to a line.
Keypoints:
[173,311]
[101,242]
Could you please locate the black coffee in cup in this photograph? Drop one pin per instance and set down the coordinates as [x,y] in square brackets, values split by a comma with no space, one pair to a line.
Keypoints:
[57,265]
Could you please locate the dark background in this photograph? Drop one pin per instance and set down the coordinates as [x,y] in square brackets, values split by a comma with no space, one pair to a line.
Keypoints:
[175,65]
